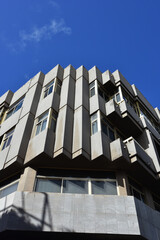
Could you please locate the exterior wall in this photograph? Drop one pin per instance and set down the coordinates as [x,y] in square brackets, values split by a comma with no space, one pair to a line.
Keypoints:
[131,153]
[79,214]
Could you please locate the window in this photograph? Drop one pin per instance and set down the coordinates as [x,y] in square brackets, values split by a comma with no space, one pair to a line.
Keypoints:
[48,89]
[156,201]
[42,123]
[15,108]
[92,89]
[116,97]
[101,187]
[53,121]
[8,189]
[77,185]
[9,186]
[2,114]
[55,85]
[94,123]
[7,139]
[102,93]
[58,86]
[136,190]
[107,128]
[120,135]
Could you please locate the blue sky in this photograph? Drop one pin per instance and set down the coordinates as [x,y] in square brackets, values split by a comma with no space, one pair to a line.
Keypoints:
[36,35]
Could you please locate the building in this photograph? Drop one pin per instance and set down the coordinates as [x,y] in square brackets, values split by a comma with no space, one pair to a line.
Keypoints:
[79,158]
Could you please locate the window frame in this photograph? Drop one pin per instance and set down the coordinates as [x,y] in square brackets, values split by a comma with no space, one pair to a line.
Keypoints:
[87,179]
[55,84]
[93,120]
[7,186]
[109,128]
[135,186]
[48,87]
[53,115]
[13,110]
[40,121]
[92,86]
[50,115]
[7,138]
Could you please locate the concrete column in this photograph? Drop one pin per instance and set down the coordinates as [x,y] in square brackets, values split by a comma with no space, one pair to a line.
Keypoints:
[27,180]
[123,185]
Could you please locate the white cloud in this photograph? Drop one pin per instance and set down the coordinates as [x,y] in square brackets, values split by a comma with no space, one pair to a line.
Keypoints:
[45,32]
[54,4]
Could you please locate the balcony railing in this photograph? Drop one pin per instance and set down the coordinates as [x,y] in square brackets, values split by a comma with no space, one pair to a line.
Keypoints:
[148,124]
[137,153]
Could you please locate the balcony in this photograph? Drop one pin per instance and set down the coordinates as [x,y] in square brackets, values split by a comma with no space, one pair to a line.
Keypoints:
[108,81]
[119,151]
[147,124]
[113,112]
[131,121]
[138,155]
[103,216]
[97,103]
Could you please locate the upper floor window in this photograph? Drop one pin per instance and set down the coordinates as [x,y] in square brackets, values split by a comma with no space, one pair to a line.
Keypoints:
[55,85]
[103,94]
[42,123]
[136,190]
[107,128]
[156,201]
[6,141]
[58,86]
[94,123]
[53,121]
[99,122]
[105,185]
[92,90]
[116,97]
[48,89]
[2,114]
[15,108]
[49,119]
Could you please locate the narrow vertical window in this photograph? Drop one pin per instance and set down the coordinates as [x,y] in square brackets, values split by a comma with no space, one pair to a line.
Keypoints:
[92,89]
[58,86]
[53,121]
[94,123]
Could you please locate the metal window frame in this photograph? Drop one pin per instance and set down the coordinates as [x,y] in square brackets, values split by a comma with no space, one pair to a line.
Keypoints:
[40,121]
[89,182]
[6,137]
[13,108]
[8,185]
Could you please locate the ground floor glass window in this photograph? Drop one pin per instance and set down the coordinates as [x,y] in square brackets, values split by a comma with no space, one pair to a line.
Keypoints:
[89,185]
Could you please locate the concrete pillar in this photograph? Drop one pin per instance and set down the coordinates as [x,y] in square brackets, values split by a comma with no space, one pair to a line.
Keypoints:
[27,180]
[123,185]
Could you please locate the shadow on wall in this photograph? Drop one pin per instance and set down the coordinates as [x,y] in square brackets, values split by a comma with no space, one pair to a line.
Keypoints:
[23,218]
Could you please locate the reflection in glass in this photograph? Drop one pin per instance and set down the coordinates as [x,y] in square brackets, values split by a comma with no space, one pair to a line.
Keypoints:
[48,185]
[104,187]
[75,186]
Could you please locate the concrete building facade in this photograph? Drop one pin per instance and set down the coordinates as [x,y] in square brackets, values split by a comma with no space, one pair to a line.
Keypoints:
[79,158]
